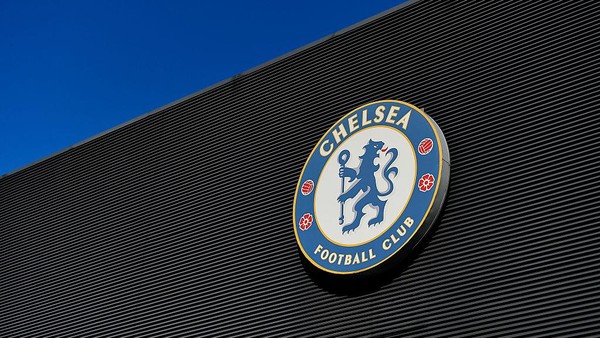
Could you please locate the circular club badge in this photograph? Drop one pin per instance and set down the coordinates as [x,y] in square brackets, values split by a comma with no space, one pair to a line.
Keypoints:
[372,188]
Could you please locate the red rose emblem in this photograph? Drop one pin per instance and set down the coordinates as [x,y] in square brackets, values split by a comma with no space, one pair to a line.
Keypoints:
[426,182]
[305,222]
[307,187]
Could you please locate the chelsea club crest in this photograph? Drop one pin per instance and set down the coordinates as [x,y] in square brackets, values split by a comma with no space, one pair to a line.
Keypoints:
[372,188]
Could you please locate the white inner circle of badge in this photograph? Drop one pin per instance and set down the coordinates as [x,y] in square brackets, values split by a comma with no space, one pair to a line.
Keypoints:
[371,189]
[374,193]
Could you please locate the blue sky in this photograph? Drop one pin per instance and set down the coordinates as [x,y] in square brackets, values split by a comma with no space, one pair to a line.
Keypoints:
[72,69]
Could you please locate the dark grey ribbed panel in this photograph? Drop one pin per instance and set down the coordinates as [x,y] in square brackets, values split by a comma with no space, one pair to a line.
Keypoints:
[180,223]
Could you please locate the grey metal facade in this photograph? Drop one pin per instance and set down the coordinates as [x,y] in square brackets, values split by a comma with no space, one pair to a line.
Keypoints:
[180,223]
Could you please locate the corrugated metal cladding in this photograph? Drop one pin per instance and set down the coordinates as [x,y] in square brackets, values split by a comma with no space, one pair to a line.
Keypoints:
[180,223]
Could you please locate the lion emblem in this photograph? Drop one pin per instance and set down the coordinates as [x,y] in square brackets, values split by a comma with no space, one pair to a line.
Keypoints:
[364,185]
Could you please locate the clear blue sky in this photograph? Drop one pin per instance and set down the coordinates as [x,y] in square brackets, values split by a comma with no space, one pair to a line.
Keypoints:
[72,69]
